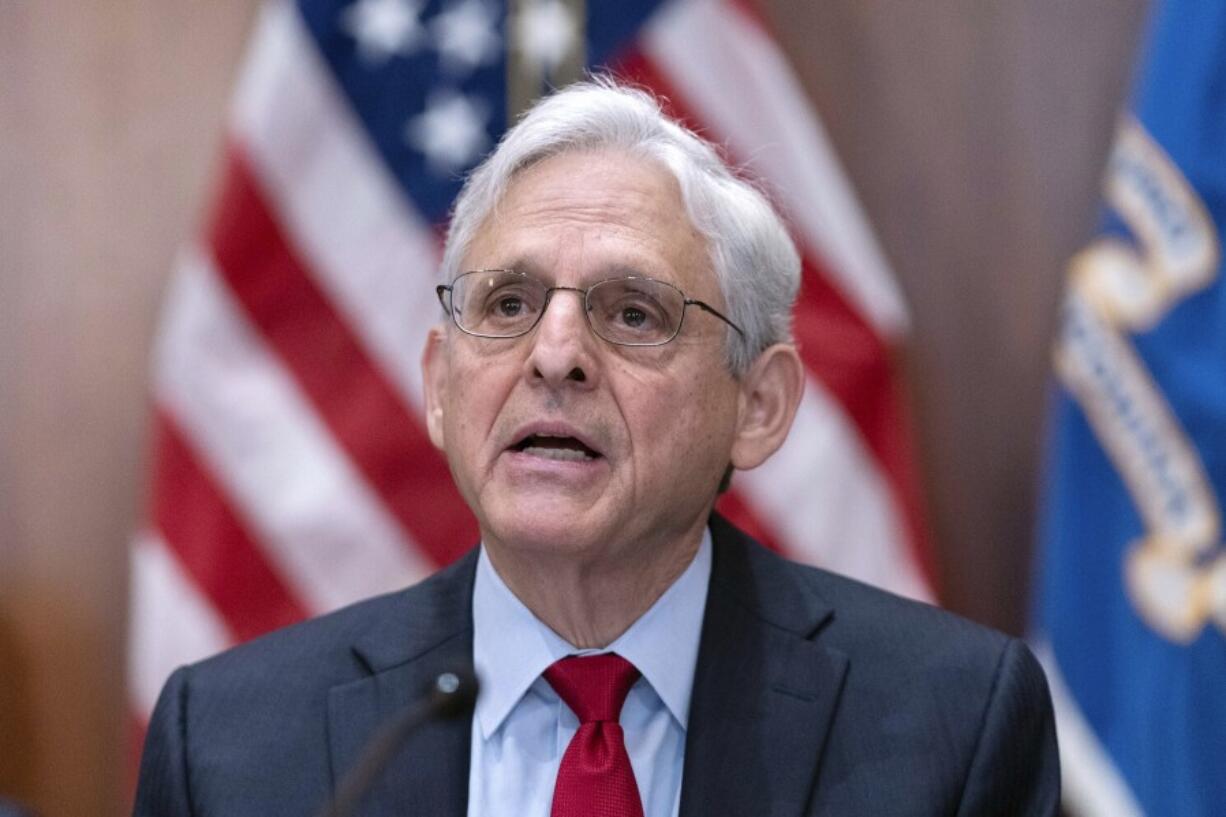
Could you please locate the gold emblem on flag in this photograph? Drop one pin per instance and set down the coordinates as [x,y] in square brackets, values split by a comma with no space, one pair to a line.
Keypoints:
[1175,573]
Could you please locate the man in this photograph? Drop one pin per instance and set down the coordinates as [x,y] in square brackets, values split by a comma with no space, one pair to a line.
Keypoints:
[617,342]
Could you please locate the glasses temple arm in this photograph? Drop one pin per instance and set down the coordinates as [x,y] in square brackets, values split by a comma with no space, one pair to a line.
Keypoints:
[708,308]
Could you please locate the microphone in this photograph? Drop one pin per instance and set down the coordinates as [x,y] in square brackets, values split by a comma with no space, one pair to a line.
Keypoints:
[450,695]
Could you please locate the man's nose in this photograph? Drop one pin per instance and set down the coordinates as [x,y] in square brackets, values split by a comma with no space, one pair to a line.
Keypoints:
[562,343]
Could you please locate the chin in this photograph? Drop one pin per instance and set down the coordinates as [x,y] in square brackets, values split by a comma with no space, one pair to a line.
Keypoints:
[530,527]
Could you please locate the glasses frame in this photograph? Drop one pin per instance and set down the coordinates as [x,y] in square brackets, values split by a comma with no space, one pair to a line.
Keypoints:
[444,292]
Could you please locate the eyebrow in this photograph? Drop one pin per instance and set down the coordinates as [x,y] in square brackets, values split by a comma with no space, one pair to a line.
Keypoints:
[619,270]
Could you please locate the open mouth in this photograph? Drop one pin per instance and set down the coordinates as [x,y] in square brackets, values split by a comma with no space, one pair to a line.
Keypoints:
[552,447]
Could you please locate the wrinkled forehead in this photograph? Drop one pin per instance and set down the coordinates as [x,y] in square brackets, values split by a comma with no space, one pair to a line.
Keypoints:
[605,212]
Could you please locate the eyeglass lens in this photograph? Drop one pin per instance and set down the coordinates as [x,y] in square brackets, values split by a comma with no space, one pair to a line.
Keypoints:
[628,311]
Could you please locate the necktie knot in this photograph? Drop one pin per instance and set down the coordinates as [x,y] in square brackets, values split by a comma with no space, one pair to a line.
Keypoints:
[593,686]
[595,776]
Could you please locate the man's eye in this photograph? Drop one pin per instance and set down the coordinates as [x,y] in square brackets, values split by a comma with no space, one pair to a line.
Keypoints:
[509,306]
[633,317]
[637,314]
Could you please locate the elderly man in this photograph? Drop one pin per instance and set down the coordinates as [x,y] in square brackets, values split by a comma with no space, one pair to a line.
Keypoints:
[616,344]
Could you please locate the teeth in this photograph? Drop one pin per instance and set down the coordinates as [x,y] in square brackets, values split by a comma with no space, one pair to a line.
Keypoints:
[568,454]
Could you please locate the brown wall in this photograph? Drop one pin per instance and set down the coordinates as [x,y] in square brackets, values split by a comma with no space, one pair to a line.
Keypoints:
[109,121]
[973,129]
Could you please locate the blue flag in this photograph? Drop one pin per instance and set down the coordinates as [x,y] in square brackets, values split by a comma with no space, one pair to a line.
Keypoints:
[1132,593]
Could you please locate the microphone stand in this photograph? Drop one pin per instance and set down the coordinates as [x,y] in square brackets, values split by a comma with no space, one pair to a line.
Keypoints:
[451,695]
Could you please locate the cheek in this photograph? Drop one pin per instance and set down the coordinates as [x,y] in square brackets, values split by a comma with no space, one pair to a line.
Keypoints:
[479,390]
[686,422]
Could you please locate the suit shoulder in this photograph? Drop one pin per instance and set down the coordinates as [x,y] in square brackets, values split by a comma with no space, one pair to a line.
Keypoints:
[251,727]
[321,649]
[312,640]
[886,617]
[876,628]
[903,649]
[952,713]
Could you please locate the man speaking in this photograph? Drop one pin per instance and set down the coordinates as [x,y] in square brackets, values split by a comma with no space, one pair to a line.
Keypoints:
[616,343]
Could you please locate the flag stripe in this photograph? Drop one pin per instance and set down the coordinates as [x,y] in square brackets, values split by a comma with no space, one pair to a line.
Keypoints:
[212,545]
[827,503]
[851,361]
[171,623]
[369,251]
[253,429]
[375,427]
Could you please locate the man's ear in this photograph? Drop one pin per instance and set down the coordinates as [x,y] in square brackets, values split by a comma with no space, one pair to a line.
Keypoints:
[435,371]
[770,393]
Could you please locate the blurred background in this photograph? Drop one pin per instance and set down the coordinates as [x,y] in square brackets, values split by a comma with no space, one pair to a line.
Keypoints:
[975,132]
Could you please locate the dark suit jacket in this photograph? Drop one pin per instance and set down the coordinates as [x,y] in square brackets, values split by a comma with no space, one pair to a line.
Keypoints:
[813,695]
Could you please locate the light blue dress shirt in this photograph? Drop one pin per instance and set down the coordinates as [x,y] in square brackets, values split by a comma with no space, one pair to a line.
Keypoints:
[521,727]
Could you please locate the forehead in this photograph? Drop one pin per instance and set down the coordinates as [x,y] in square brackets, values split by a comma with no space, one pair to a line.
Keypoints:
[591,214]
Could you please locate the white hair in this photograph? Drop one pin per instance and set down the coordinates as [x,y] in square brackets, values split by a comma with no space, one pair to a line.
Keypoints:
[753,257]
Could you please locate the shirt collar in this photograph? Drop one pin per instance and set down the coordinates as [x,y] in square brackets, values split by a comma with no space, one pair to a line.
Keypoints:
[512,647]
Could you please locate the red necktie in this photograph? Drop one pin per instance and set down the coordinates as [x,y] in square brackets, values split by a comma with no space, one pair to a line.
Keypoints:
[595,778]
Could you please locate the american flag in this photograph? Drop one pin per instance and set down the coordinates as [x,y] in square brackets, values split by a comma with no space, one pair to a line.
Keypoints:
[291,470]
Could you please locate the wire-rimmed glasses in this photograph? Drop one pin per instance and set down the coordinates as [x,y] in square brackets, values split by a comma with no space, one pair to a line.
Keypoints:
[627,311]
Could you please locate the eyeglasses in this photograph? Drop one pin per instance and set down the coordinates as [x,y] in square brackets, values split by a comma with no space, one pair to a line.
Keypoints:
[630,311]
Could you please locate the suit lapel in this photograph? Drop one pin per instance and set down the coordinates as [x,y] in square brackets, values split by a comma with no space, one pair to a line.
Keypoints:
[765,690]
[429,632]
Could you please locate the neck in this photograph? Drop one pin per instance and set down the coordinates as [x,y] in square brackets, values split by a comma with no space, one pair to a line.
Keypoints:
[591,602]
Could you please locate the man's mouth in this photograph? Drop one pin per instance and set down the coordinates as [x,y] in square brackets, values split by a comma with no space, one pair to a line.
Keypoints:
[551,447]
